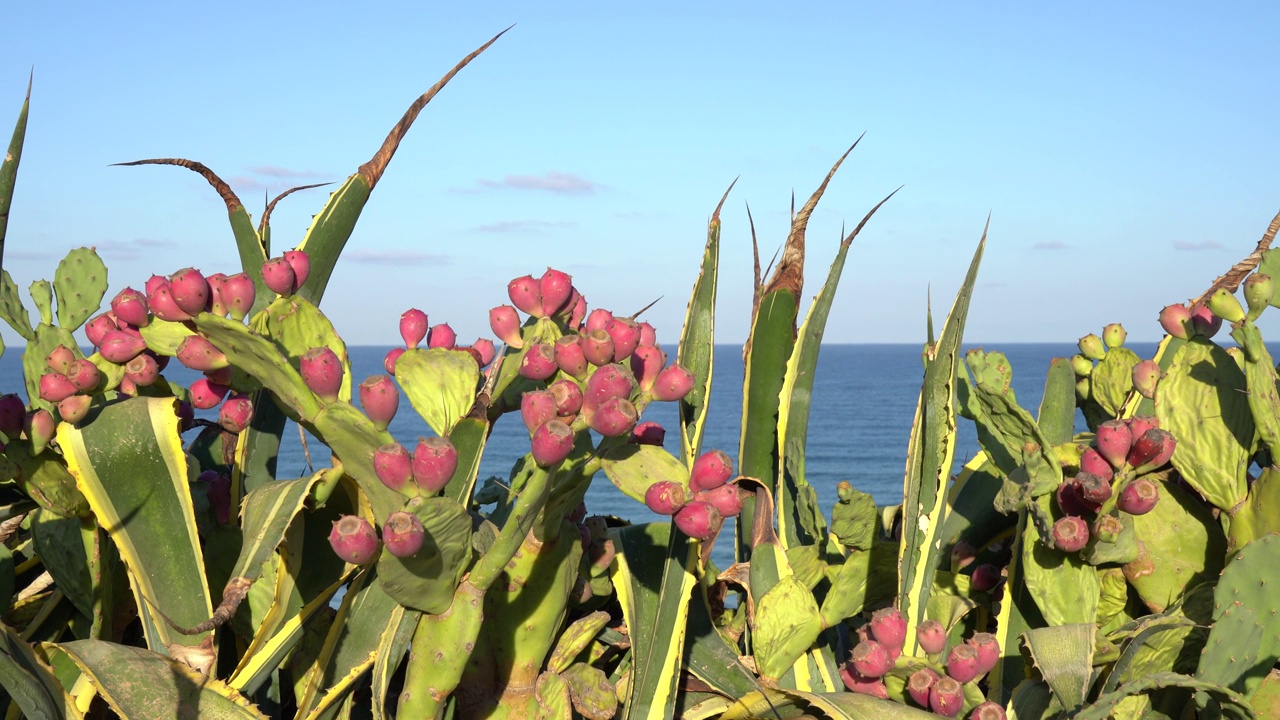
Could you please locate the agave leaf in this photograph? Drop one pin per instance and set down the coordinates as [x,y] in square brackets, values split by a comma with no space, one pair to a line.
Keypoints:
[9,169]
[392,646]
[1232,704]
[1064,656]
[852,706]
[30,682]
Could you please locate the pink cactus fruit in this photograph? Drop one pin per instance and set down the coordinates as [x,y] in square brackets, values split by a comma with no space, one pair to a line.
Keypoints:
[874,687]
[1070,534]
[1113,440]
[646,364]
[300,261]
[555,289]
[75,408]
[380,399]
[84,375]
[143,370]
[578,311]
[988,648]
[413,327]
[1176,320]
[278,276]
[962,554]
[1069,499]
[393,465]
[725,498]
[217,488]
[672,384]
[59,360]
[889,628]
[711,470]
[871,659]
[985,577]
[626,337]
[238,293]
[920,683]
[648,433]
[536,408]
[946,697]
[569,356]
[539,362]
[130,306]
[1146,375]
[568,397]
[186,416]
[441,336]
[505,324]
[1139,497]
[1093,489]
[988,710]
[97,328]
[608,381]
[598,319]
[526,294]
[1151,450]
[962,663]
[1139,424]
[487,351]
[190,291]
[647,334]
[236,413]
[666,497]
[39,427]
[216,305]
[322,372]
[197,353]
[699,520]
[389,362]
[55,387]
[155,282]
[616,417]
[12,413]
[354,540]
[1093,463]
[1203,321]
[206,394]
[434,461]
[403,534]
[597,347]
[163,305]
[551,443]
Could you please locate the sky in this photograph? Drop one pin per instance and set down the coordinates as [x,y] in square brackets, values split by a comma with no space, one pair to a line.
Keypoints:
[1125,153]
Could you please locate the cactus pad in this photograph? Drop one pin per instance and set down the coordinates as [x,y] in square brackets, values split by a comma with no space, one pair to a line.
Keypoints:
[1244,641]
[79,282]
[426,580]
[1180,545]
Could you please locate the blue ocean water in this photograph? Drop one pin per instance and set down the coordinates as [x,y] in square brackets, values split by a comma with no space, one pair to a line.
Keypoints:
[864,399]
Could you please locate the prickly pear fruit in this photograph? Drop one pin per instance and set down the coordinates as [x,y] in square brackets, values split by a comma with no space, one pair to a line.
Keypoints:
[60,360]
[874,687]
[1092,462]
[985,577]
[236,413]
[626,337]
[962,554]
[55,387]
[484,347]
[614,418]
[1146,375]
[12,413]
[555,289]
[74,408]
[536,408]
[646,364]
[237,293]
[567,395]
[569,356]
[871,659]
[648,433]
[577,311]
[1081,366]
[142,370]
[711,470]
[962,663]
[666,497]
[403,534]
[1176,320]
[1203,321]
[1258,291]
[322,372]
[84,375]
[1113,441]
[389,362]
[1113,335]
[394,467]
[39,426]
[197,353]
[442,336]
[120,347]
[1138,497]
[380,399]
[206,394]
[608,381]
[988,648]
[1107,528]
[699,520]
[920,683]
[551,443]
[1070,534]
[1093,489]
[130,306]
[434,461]
[190,291]
[163,305]
[539,362]
[648,336]
[413,327]
[97,328]
[1225,305]
[932,636]
[278,276]
[300,261]
[672,384]
[505,324]
[889,628]
[218,489]
[216,306]
[725,498]
[597,320]
[1151,450]
[988,710]
[1069,499]
[354,540]
[597,347]
[946,697]
[601,552]
[526,294]
[1092,347]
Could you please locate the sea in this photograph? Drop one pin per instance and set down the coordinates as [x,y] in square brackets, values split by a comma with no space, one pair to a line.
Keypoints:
[864,399]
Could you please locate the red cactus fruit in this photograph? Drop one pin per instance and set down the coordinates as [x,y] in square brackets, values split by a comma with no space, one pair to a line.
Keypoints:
[626,337]
[874,687]
[1151,450]
[236,413]
[1092,489]
[567,395]
[1094,464]
[505,324]
[946,697]
[217,488]
[646,364]
[551,443]
[389,362]
[932,636]
[889,628]
[1203,321]
[648,433]
[985,577]
[1176,320]
[962,663]
[413,327]
[434,461]
[40,427]
[988,648]
[871,659]
[163,305]
[988,710]
[1113,441]
[673,383]
[97,328]
[537,407]
[322,372]
[403,534]
[197,353]
[569,356]
[1139,497]
[555,289]
[539,362]
[597,347]
[354,540]
[237,293]
[278,276]
[74,408]
[1070,534]
[394,467]
[725,498]
[12,412]
[711,470]
[608,381]
[380,399]
[1139,424]
[216,305]
[616,417]
[55,387]
[155,282]
[441,336]
[920,683]
[666,497]
[206,394]
[190,291]
[84,375]
[60,359]
[526,294]
[699,520]
[130,306]
[142,370]
[597,320]
[962,554]
[578,311]
[647,334]
[300,261]
[485,349]
[1146,375]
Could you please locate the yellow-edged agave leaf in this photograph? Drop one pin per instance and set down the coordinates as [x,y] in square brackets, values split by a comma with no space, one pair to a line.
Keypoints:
[127,459]
[930,453]
[1064,656]
[440,383]
[9,177]
[391,649]
[29,682]
[139,684]
[764,703]
[296,326]
[633,468]
[853,706]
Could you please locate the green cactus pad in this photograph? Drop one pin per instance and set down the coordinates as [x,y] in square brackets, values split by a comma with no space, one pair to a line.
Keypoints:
[552,693]
[853,521]
[1064,587]
[633,468]
[80,282]
[440,383]
[1258,516]
[12,310]
[44,478]
[1180,545]
[1260,375]
[576,638]
[1123,550]
[164,337]
[1244,642]
[42,295]
[1203,401]
[848,588]
[1006,431]
[426,580]
[69,551]
[1112,380]
[593,695]
[296,326]
[45,339]
[1270,265]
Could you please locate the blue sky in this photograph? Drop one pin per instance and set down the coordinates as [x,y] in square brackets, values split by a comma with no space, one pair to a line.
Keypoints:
[1126,153]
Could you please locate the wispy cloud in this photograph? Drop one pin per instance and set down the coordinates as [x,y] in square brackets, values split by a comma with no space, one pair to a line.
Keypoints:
[28,255]
[553,182]
[1050,245]
[1196,246]
[130,249]
[396,257]
[286,173]
[523,226]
